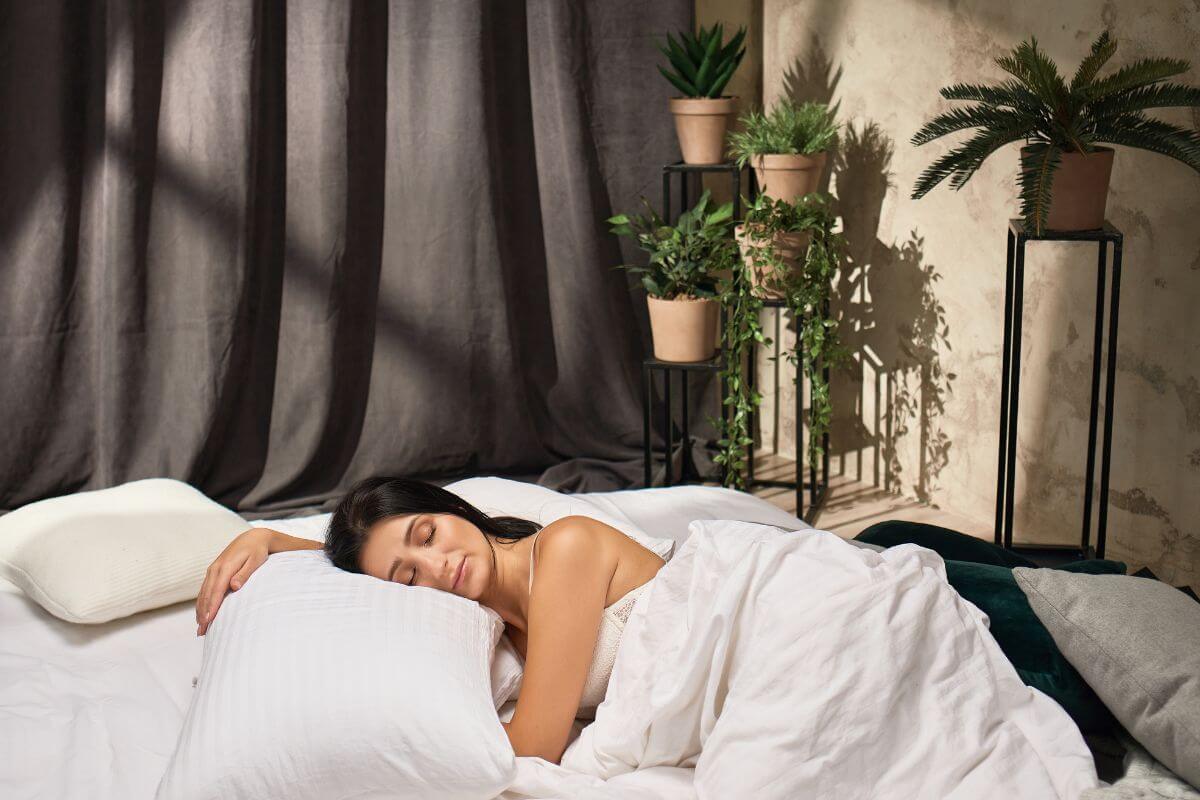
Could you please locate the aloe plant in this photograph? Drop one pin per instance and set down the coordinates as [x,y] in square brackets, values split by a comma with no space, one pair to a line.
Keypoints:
[703,64]
[1055,117]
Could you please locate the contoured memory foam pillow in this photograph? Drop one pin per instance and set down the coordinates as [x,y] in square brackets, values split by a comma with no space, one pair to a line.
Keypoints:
[101,555]
[318,683]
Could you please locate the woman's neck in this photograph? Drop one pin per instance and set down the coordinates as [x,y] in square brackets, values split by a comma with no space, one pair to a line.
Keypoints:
[508,594]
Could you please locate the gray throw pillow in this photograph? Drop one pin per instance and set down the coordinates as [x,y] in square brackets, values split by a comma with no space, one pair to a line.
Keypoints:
[1136,642]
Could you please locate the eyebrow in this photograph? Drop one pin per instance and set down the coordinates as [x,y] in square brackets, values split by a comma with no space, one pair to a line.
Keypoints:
[407,539]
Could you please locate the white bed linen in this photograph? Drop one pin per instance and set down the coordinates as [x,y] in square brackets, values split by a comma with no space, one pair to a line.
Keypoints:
[794,665]
[94,711]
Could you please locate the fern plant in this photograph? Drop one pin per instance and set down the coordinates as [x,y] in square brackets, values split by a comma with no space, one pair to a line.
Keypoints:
[789,129]
[1055,117]
[685,257]
[702,64]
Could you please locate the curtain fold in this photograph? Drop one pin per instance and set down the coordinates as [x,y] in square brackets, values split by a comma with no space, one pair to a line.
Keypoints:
[271,248]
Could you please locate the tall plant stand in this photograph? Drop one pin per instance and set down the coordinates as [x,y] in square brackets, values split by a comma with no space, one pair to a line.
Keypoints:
[818,488]
[682,173]
[687,469]
[1018,237]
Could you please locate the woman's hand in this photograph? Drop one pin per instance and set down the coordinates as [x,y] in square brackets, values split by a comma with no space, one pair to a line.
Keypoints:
[229,572]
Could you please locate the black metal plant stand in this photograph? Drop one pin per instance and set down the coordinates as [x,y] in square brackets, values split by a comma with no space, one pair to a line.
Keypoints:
[687,468]
[684,170]
[1018,236]
[817,489]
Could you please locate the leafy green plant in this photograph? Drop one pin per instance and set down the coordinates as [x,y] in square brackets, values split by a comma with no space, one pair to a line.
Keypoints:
[806,292]
[1055,117]
[685,257]
[702,64]
[789,129]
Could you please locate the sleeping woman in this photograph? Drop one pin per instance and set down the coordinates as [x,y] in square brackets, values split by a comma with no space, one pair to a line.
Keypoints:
[565,623]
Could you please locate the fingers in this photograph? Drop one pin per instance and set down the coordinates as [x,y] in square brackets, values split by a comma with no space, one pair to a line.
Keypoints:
[239,577]
[216,583]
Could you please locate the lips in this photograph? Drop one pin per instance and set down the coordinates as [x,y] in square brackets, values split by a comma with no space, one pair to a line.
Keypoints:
[458,575]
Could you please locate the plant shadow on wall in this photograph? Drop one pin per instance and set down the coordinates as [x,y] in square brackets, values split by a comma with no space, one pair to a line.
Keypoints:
[814,79]
[894,329]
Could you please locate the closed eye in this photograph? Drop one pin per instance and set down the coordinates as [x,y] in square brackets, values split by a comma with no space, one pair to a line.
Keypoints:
[428,539]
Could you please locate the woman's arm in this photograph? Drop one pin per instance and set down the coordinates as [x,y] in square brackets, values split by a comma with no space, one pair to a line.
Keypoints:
[233,566]
[570,586]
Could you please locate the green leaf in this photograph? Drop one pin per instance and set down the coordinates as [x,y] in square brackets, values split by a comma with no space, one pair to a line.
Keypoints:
[1102,50]
[963,161]
[680,60]
[976,116]
[707,65]
[679,83]
[734,45]
[695,50]
[1139,73]
[723,213]
[1162,95]
[1039,161]
[722,80]
[1144,133]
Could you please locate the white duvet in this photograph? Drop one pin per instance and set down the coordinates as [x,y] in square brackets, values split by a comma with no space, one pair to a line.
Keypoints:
[793,665]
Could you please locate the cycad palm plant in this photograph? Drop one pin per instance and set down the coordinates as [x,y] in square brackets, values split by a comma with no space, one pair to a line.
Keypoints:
[1056,118]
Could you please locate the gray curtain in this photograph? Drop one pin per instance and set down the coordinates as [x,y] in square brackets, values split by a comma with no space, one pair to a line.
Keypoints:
[272,248]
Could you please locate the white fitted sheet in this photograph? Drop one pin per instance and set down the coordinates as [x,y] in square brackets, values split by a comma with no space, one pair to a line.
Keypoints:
[94,710]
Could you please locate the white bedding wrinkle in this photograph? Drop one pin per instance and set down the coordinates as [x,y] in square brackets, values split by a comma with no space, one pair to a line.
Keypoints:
[791,664]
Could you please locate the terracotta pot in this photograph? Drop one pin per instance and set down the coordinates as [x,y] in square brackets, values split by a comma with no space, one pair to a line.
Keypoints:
[1079,191]
[791,249]
[700,123]
[683,329]
[788,177]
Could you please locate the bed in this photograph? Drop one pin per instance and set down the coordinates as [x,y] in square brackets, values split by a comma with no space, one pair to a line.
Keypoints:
[95,710]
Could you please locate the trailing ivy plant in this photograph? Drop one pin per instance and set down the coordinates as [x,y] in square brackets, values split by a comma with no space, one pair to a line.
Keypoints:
[1055,117]
[703,64]
[806,292]
[789,129]
[685,258]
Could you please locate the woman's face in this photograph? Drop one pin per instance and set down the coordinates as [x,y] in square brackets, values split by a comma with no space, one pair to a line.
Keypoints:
[429,550]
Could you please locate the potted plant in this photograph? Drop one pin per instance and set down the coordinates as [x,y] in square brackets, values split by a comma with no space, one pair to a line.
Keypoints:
[1064,173]
[803,278]
[787,147]
[774,239]
[680,279]
[701,67]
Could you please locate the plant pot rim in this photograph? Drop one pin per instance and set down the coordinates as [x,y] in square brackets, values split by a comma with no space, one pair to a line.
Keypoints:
[683,298]
[1100,150]
[787,160]
[702,105]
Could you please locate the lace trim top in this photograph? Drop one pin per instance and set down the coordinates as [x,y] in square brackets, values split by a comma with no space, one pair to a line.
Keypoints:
[612,625]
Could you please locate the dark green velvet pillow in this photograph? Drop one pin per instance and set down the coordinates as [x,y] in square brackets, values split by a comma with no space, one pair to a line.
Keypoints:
[982,573]
[946,543]
[1026,642]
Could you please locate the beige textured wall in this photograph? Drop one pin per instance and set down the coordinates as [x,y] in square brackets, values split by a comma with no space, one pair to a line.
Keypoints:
[923,294]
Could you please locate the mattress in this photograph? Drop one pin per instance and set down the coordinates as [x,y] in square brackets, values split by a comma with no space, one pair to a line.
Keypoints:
[94,710]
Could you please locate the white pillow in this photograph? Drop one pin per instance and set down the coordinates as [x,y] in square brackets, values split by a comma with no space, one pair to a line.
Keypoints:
[503,497]
[320,683]
[102,555]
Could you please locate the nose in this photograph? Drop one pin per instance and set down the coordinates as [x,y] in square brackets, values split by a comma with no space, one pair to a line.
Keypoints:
[439,565]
